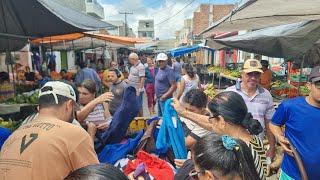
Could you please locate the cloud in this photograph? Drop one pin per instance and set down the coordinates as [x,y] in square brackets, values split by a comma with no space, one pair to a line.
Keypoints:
[164,27]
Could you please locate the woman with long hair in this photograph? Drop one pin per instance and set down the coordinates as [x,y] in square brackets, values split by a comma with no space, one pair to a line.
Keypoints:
[229,115]
[189,80]
[222,157]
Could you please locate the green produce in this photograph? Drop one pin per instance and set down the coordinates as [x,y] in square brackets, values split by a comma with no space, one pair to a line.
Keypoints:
[210,91]
[25,98]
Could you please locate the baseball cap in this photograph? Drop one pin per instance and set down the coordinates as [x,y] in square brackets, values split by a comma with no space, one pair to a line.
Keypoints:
[59,88]
[162,57]
[315,74]
[252,65]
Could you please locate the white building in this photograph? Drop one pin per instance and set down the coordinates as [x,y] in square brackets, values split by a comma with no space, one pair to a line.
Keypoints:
[146,29]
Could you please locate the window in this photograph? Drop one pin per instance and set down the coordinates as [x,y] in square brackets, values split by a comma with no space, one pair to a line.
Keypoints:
[147,25]
[144,34]
[89,1]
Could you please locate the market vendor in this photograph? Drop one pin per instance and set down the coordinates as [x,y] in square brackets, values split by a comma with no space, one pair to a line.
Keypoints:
[6,88]
[266,76]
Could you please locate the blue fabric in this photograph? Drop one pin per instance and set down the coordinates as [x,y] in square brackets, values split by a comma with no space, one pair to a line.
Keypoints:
[160,107]
[284,176]
[120,121]
[88,73]
[112,153]
[184,50]
[43,81]
[149,77]
[4,134]
[302,123]
[169,136]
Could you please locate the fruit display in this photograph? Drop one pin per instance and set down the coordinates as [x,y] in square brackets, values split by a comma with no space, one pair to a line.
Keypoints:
[210,91]
[296,78]
[9,124]
[28,98]
[304,90]
[232,73]
[214,69]
[227,72]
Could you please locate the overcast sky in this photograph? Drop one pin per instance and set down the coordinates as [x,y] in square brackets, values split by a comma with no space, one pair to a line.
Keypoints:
[159,10]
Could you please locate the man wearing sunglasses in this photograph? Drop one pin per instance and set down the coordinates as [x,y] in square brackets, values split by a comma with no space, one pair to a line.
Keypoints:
[301,117]
[258,99]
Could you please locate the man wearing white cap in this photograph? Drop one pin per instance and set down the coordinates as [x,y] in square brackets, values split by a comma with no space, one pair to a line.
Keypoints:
[165,82]
[50,147]
[258,99]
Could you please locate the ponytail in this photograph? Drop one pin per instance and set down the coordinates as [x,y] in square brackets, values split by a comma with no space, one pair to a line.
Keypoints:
[189,70]
[252,125]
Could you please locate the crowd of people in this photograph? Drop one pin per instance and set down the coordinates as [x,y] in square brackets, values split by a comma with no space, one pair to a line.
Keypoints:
[80,130]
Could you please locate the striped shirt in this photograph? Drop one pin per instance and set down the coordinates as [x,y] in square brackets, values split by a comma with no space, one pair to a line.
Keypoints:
[259,156]
[260,105]
[97,116]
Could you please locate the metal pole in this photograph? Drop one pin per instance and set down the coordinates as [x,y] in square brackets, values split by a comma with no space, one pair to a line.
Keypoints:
[125,22]
[302,64]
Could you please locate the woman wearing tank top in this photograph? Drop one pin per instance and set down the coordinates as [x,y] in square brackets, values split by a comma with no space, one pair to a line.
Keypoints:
[190,80]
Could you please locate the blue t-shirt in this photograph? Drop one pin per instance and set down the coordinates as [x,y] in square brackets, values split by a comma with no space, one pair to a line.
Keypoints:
[163,80]
[4,134]
[302,123]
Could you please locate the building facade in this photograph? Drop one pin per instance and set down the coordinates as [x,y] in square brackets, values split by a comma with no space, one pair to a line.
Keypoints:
[146,29]
[205,15]
[119,29]
[90,7]
[183,36]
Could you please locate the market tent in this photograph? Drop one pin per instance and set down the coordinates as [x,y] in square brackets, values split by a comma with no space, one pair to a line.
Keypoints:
[256,14]
[86,41]
[21,20]
[184,50]
[290,41]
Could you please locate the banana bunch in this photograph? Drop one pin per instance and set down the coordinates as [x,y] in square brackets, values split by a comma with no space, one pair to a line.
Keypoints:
[6,124]
[214,69]
[210,91]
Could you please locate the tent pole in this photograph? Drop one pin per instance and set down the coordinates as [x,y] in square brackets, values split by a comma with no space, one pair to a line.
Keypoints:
[302,64]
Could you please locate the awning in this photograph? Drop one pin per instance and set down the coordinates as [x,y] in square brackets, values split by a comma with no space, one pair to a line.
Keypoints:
[185,50]
[291,41]
[86,40]
[257,14]
[21,20]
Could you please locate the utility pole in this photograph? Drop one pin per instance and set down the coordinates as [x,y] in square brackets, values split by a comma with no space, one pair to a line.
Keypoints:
[125,22]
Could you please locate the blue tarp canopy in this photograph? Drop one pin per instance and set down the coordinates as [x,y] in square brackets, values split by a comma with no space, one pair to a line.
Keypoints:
[184,50]
[187,49]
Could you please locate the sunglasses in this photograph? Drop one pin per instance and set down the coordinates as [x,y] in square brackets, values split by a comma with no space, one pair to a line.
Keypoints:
[255,74]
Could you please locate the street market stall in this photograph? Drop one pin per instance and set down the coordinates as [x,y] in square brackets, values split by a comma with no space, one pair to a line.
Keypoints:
[257,14]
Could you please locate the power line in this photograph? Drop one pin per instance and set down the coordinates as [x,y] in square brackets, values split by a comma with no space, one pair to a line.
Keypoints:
[175,13]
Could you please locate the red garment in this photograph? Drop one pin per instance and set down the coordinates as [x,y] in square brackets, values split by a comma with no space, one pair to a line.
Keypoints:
[156,167]
[150,94]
